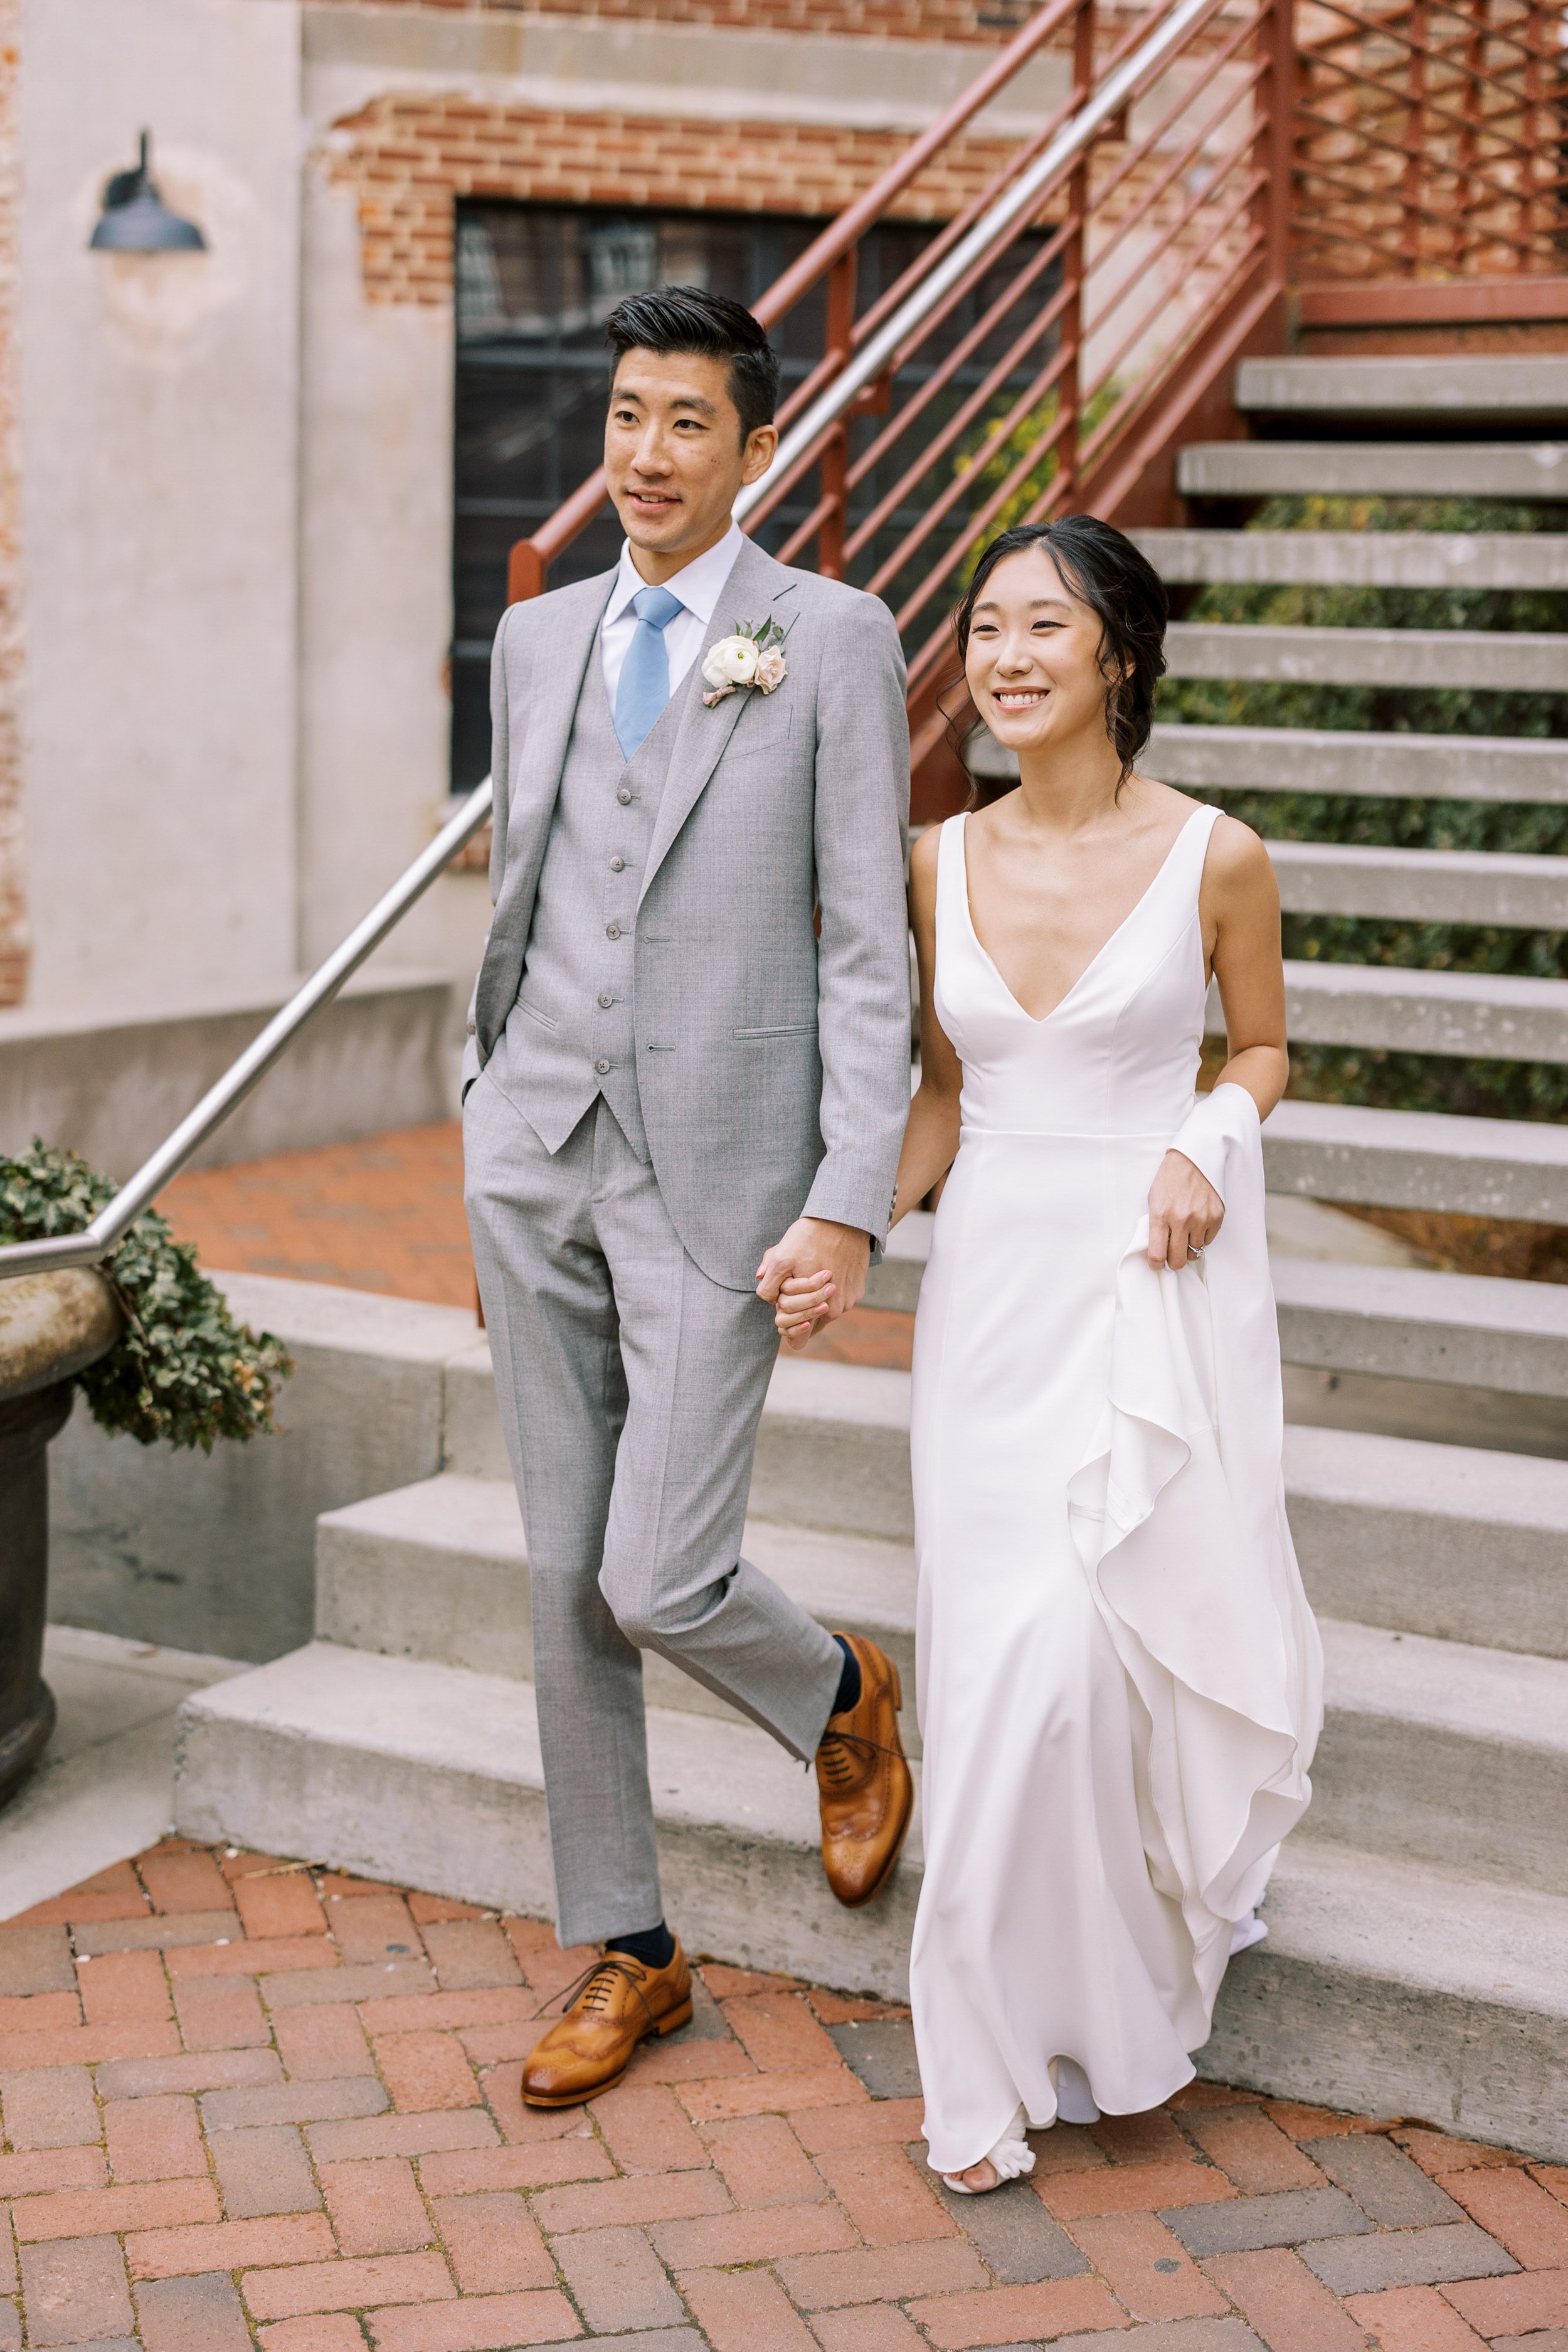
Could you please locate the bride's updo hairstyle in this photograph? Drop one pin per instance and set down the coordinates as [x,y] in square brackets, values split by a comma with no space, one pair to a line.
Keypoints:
[1127,595]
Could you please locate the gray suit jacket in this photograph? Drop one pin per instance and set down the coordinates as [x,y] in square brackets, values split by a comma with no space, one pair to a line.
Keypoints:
[772,1063]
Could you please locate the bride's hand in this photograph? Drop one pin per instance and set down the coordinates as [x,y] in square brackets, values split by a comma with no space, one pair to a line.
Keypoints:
[1184,1211]
[802,1303]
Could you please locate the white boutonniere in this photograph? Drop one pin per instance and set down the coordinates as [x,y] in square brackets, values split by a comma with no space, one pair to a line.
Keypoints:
[752,657]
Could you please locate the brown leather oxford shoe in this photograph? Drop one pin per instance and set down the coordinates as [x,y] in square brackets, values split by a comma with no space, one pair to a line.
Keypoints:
[864,1784]
[589,2049]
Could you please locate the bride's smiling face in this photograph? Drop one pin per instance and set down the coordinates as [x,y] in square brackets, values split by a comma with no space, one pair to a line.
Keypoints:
[1032,662]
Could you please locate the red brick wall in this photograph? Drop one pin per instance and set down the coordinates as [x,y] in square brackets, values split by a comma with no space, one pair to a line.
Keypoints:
[913,20]
[13,903]
[411,156]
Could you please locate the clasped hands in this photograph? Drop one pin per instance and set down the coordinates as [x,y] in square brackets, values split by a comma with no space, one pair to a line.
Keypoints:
[813,1275]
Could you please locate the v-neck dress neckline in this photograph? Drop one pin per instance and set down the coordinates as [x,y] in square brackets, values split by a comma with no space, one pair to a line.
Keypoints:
[1038,1020]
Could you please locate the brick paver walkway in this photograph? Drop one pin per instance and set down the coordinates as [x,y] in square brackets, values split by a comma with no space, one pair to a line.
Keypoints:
[247,2102]
[385,1213]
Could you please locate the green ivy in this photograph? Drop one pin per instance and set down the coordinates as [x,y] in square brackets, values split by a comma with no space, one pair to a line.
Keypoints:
[1390,1080]
[184,1369]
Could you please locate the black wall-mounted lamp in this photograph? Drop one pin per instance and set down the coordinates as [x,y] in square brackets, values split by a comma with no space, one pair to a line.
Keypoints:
[135,218]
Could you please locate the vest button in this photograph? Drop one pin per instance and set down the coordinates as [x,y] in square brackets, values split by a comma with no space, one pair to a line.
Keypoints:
[612,930]
[624,796]
[605,1002]
[603,1068]
[617,864]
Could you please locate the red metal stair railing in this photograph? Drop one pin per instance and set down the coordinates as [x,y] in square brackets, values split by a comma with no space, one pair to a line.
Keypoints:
[832,256]
[1430,160]
[1043,350]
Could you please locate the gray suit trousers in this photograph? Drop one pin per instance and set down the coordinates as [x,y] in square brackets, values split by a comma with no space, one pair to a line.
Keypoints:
[630,1388]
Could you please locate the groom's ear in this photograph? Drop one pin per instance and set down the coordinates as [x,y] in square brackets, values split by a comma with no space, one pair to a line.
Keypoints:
[762,448]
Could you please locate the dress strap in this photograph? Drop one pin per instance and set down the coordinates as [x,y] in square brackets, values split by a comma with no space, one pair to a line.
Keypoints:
[1192,844]
[952,876]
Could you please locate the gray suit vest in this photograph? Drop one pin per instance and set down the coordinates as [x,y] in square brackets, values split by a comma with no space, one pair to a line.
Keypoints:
[569,1037]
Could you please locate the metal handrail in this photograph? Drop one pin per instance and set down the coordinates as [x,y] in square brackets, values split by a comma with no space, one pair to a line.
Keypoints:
[114,1220]
[1021,198]
[993,229]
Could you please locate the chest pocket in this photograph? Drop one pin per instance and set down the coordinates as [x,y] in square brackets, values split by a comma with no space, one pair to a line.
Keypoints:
[761,734]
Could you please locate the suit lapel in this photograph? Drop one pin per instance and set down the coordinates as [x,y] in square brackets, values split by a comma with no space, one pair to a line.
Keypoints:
[555,680]
[558,671]
[748,593]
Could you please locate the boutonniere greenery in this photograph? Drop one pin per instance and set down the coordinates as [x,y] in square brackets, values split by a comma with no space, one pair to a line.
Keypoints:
[752,657]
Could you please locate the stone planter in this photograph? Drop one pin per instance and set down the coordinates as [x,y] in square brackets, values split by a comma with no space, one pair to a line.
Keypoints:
[51,1326]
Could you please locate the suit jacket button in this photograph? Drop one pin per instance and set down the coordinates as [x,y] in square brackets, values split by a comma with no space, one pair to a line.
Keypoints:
[624,796]
[612,930]
[605,1002]
[617,864]
[603,1068]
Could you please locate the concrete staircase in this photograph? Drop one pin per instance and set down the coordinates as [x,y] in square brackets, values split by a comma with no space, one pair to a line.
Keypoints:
[1413,1963]
[1416,1929]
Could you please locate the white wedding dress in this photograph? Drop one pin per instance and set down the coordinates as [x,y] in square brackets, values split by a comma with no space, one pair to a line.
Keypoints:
[1120,1680]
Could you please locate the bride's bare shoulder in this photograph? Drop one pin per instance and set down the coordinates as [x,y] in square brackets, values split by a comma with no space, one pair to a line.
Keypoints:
[924,851]
[1238,857]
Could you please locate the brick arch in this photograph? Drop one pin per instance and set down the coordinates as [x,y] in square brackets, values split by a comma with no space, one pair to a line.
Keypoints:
[407,156]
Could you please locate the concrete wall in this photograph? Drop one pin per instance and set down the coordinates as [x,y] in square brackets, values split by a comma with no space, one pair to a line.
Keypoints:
[385,1054]
[216,1552]
[159,464]
[375,597]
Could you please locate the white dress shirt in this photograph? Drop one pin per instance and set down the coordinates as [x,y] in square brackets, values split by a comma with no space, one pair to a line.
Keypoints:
[697,585]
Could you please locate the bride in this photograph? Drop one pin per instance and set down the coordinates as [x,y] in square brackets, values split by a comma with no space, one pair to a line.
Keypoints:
[1120,1680]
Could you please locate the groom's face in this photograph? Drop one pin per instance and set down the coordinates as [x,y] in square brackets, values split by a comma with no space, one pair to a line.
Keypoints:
[675,457]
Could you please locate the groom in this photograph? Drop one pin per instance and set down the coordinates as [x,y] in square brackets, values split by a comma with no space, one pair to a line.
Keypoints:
[687,1078]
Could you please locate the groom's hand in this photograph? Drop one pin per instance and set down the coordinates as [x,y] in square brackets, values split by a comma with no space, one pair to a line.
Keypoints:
[816,1247]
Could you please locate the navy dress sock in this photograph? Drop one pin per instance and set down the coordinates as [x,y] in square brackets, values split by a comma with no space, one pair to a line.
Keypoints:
[848,1681]
[654,1947]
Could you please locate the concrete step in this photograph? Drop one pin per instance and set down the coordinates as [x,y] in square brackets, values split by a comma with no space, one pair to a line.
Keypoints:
[1422,886]
[1442,1540]
[1437,388]
[1360,559]
[1494,1521]
[1388,1989]
[1382,1987]
[1505,660]
[1496,1016]
[431,1775]
[438,1570]
[1419,1159]
[1452,1753]
[1521,770]
[1445,1540]
[1459,1329]
[1394,469]
[1445,1753]
[833,1451]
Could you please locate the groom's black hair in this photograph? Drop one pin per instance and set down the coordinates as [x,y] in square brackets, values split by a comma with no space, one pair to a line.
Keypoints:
[1125,593]
[669,319]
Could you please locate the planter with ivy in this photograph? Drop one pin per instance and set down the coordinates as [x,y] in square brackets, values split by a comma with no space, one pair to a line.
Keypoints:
[155,1353]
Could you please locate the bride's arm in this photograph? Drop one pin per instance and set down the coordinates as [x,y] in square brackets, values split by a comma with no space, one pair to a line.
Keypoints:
[1240,906]
[930,1138]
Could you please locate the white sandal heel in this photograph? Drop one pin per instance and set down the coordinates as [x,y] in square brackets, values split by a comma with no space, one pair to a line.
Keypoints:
[1011,2157]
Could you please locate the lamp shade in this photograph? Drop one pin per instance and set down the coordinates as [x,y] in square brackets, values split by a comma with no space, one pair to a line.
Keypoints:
[135,218]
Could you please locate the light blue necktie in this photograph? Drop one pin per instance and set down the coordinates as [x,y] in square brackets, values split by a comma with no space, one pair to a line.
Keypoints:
[644,688]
